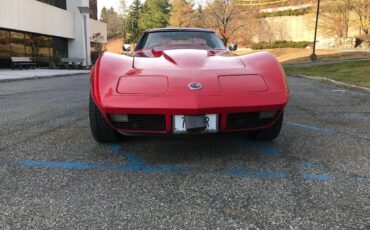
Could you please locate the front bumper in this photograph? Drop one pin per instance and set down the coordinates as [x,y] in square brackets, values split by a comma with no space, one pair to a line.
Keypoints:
[243,109]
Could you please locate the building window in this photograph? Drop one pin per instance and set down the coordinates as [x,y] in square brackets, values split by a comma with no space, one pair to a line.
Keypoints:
[93,9]
[57,3]
[18,44]
[5,48]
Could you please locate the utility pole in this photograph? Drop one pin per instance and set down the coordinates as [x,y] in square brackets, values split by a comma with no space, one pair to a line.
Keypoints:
[313,55]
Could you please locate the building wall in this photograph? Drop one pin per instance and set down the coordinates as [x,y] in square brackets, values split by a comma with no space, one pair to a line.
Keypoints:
[76,47]
[96,34]
[36,17]
[39,18]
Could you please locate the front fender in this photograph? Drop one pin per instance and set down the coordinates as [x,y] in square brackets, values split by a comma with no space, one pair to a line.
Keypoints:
[105,74]
[267,66]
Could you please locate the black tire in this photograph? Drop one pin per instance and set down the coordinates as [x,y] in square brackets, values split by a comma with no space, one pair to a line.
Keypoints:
[100,130]
[270,133]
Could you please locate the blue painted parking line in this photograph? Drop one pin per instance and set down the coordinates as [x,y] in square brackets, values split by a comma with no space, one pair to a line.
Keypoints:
[360,180]
[311,127]
[135,163]
[323,176]
[327,130]
[145,168]
[356,116]
[133,158]
[317,177]
[165,169]
[101,166]
[171,170]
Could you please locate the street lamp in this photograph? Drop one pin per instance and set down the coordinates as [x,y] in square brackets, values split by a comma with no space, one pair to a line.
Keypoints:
[85,10]
[313,55]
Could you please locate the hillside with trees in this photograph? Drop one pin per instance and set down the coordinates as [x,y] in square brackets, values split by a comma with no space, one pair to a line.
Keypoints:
[240,21]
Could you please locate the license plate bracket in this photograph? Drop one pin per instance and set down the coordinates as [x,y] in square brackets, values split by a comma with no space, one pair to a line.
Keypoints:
[195,124]
[207,123]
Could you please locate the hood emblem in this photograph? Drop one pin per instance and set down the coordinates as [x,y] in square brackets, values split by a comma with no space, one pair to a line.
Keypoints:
[195,86]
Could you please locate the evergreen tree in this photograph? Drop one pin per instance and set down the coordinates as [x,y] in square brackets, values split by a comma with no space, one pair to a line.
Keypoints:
[110,17]
[132,22]
[104,14]
[155,14]
[122,14]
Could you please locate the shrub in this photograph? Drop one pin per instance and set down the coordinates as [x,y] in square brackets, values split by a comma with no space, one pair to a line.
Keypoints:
[280,44]
[257,46]
[288,12]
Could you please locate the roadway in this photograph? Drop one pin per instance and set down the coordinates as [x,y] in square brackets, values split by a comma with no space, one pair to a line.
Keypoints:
[54,175]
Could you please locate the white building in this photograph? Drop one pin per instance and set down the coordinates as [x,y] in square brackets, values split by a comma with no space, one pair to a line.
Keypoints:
[48,30]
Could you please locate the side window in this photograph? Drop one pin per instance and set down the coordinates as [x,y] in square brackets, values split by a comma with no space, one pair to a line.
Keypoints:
[141,41]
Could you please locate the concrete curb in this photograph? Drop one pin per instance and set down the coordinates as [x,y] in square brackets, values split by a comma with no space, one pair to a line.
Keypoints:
[41,77]
[337,83]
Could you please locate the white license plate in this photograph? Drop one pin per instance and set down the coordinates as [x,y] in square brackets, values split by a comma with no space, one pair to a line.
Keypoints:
[179,125]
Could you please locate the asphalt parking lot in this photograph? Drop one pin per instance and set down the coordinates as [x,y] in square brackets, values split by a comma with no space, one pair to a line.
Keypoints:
[54,175]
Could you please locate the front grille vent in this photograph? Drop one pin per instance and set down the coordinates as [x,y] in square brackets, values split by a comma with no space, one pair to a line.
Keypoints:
[142,122]
[246,121]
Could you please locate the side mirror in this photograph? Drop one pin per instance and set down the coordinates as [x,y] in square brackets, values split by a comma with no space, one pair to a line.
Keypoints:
[126,47]
[233,47]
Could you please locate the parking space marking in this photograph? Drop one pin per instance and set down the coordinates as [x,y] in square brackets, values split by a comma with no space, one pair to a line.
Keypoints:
[360,180]
[164,169]
[322,176]
[317,177]
[133,158]
[327,130]
[311,127]
[135,163]
[101,166]
[356,116]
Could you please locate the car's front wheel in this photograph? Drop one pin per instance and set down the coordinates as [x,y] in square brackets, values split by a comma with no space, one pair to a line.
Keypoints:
[270,133]
[100,129]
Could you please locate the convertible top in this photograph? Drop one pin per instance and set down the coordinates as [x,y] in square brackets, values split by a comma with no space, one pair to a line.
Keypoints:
[178,29]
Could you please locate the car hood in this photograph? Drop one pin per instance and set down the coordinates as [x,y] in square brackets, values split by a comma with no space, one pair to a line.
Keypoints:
[172,72]
[186,59]
[116,81]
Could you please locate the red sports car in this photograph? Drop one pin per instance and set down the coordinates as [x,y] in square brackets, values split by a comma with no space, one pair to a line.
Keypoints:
[184,81]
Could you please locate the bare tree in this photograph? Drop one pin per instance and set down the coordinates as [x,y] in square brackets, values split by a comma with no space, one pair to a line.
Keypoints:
[181,13]
[362,10]
[199,18]
[225,17]
[336,15]
[249,30]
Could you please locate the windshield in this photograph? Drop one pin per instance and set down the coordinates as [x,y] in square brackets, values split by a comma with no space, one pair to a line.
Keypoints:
[182,40]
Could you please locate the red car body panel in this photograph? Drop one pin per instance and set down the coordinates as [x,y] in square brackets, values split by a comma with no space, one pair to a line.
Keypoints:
[156,82]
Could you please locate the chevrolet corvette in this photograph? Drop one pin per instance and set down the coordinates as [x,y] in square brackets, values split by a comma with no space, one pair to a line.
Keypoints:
[184,81]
